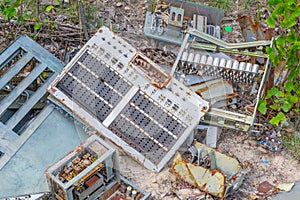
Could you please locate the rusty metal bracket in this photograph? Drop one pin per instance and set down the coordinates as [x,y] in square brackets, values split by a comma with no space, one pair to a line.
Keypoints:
[226,45]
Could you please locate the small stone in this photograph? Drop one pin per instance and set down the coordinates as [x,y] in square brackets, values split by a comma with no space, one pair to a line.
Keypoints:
[119,4]
[253,197]
[127,8]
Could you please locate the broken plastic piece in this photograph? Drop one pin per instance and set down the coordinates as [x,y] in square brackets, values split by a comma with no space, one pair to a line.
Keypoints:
[228,28]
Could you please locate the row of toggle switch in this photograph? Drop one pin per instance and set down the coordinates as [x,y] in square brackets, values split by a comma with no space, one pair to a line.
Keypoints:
[227,69]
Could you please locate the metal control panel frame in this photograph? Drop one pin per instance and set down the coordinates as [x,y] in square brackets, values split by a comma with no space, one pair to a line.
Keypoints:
[148,117]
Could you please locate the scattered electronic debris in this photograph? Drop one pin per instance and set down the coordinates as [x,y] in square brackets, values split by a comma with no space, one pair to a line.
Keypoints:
[111,89]
[272,143]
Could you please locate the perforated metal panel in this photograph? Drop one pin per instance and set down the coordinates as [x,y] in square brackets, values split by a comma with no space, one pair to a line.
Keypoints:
[94,85]
[147,127]
[112,87]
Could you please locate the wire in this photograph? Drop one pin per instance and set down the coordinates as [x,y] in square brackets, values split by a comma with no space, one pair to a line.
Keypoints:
[27,97]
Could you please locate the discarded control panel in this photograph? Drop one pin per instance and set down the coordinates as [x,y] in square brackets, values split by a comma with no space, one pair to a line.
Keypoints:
[208,170]
[109,85]
[91,171]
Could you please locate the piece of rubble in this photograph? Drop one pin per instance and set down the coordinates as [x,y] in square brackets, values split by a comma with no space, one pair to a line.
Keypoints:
[119,4]
[285,186]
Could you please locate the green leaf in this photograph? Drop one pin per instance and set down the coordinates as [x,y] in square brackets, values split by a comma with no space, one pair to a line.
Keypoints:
[19,20]
[279,9]
[272,92]
[278,118]
[289,86]
[291,2]
[273,2]
[286,106]
[33,36]
[49,8]
[270,50]
[16,4]
[53,25]
[279,94]
[26,17]
[292,98]
[271,22]
[291,37]
[37,26]
[296,110]
[274,107]
[280,41]
[262,106]
[9,12]
[289,22]
[293,74]
[46,20]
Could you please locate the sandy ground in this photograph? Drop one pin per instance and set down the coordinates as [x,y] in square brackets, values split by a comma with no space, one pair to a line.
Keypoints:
[280,168]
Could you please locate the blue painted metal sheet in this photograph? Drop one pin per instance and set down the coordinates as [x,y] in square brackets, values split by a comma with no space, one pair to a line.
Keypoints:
[21,54]
[54,136]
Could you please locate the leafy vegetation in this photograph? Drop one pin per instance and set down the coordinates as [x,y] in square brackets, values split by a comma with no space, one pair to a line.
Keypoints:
[24,11]
[283,99]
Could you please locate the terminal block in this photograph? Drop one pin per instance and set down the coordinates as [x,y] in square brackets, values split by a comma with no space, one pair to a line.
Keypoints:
[90,171]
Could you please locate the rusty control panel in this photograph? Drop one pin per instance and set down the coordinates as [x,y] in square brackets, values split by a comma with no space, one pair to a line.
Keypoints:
[111,86]
[90,171]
